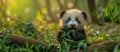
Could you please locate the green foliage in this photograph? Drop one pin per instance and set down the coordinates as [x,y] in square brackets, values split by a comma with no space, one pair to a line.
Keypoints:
[25,19]
[68,44]
[113,10]
[26,28]
[116,49]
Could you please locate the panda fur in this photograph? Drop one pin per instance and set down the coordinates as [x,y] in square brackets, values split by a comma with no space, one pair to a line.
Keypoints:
[72,21]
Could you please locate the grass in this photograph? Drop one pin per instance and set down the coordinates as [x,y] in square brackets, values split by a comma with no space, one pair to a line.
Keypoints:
[95,33]
[112,10]
[23,29]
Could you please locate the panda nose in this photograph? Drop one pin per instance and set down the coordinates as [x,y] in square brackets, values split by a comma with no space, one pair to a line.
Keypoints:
[72,25]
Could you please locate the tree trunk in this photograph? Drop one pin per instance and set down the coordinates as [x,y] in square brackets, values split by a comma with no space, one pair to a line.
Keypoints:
[60,5]
[39,6]
[48,6]
[3,8]
[75,4]
[65,4]
[92,9]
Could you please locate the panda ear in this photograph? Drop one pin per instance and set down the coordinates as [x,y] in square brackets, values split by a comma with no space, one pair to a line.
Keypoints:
[84,15]
[62,13]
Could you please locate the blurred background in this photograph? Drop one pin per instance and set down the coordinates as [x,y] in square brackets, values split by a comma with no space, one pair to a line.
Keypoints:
[39,18]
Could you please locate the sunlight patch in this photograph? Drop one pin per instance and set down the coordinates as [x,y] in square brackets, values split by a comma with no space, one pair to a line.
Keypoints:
[27,10]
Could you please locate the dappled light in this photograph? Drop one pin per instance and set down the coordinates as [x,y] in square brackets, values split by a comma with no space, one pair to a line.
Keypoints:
[34,26]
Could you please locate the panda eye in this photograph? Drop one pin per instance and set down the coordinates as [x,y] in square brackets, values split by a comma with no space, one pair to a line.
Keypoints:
[67,20]
[77,20]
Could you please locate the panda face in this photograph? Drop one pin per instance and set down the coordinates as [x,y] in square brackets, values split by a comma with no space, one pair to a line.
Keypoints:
[72,19]
[72,22]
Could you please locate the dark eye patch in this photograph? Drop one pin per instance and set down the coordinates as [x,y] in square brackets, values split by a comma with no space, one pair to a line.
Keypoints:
[68,20]
[77,20]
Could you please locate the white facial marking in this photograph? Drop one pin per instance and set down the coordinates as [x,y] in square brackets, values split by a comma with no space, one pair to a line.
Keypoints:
[73,14]
[72,22]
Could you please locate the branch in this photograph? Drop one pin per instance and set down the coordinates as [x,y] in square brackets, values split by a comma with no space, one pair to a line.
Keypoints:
[19,40]
[105,45]
[15,39]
